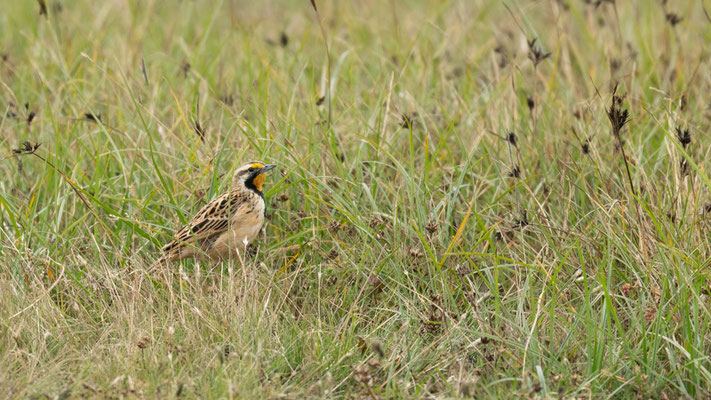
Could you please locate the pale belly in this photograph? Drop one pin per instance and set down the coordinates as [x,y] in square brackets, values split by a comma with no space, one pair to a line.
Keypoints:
[243,231]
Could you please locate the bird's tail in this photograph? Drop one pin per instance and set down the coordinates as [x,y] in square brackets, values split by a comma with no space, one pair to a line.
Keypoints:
[160,262]
[167,254]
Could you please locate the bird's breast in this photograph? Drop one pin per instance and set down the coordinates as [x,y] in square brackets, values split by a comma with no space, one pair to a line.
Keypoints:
[247,223]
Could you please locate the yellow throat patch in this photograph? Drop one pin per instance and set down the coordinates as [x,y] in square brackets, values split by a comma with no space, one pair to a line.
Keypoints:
[259,181]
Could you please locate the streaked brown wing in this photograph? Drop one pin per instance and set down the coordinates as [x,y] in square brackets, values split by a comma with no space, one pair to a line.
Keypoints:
[213,219]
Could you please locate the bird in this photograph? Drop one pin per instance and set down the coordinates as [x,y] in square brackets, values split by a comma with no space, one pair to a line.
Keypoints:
[225,225]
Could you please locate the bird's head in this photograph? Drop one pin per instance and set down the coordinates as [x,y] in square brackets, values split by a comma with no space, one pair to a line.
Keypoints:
[252,175]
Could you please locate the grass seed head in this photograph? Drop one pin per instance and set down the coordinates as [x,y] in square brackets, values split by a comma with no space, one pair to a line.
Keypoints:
[535,53]
[30,117]
[683,136]
[27,148]
[673,19]
[91,117]
[515,172]
[407,120]
[42,7]
[617,115]
[185,67]
[228,99]
[511,138]
[585,147]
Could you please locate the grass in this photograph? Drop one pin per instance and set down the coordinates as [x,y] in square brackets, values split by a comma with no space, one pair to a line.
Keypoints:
[463,225]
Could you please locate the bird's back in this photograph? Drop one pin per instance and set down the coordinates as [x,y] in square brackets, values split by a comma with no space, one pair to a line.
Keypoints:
[220,228]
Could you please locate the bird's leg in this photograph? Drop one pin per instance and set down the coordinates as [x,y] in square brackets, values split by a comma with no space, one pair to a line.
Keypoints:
[251,251]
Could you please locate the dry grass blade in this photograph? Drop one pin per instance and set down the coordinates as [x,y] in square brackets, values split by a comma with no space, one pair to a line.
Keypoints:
[328,63]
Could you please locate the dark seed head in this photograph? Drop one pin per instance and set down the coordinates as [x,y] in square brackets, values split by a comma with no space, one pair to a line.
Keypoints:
[618,117]
[407,120]
[615,64]
[27,148]
[511,137]
[535,54]
[185,67]
[228,99]
[673,19]
[92,117]
[683,136]
[515,172]
[42,7]
[586,146]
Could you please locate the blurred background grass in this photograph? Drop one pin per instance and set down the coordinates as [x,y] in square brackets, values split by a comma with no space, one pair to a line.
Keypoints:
[415,248]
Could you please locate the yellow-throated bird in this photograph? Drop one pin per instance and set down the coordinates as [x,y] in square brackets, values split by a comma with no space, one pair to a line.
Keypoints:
[228,223]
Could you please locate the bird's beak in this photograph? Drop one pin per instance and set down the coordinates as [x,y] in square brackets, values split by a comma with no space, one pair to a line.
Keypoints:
[266,168]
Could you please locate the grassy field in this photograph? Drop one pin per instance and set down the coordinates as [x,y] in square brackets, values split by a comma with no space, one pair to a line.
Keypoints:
[473,198]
